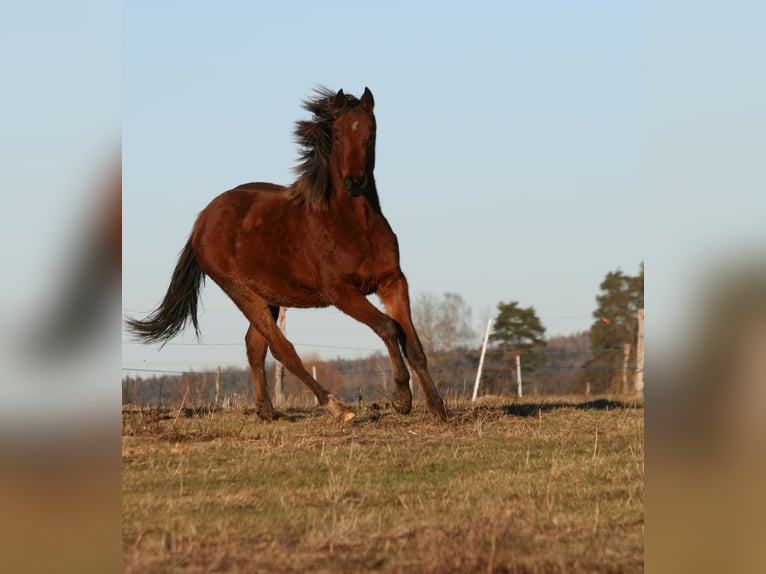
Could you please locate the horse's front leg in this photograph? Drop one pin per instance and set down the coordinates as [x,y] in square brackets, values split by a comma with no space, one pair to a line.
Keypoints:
[394,295]
[349,300]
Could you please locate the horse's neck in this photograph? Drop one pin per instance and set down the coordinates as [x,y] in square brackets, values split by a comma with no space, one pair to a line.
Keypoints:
[372,198]
[358,212]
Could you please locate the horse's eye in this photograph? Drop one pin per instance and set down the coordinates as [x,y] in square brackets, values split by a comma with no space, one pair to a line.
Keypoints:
[337,136]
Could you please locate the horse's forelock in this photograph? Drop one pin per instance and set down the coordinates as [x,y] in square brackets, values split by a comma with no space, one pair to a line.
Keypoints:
[314,137]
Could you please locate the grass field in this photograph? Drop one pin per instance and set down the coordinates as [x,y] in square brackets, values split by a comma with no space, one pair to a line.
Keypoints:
[505,486]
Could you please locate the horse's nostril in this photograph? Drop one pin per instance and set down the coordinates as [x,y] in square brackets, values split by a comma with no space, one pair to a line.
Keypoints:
[355,185]
[350,182]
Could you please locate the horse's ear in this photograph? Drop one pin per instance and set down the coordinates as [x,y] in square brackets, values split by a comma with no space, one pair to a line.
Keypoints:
[340,100]
[368,102]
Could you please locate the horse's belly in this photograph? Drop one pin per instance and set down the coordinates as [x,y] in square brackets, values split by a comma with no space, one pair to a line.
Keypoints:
[291,294]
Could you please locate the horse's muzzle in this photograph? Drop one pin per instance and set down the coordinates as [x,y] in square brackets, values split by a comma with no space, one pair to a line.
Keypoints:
[355,186]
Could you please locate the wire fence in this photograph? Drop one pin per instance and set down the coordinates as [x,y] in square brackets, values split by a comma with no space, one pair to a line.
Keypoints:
[571,366]
[372,380]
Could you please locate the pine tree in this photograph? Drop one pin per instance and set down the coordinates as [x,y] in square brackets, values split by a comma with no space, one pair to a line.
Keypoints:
[615,326]
[517,329]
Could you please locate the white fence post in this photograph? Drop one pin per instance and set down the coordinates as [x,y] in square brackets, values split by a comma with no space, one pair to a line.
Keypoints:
[639,382]
[481,361]
[314,374]
[625,365]
[518,375]
[279,368]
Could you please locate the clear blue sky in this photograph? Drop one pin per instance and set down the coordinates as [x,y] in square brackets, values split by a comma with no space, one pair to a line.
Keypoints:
[510,155]
[525,148]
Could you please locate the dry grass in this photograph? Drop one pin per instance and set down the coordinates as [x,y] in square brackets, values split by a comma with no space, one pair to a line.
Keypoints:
[504,487]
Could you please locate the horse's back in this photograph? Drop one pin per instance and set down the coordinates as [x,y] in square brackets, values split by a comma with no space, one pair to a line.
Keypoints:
[218,226]
[235,203]
[259,186]
[254,234]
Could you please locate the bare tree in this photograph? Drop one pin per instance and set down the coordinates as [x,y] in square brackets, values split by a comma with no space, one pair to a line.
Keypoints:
[443,324]
[454,323]
[424,311]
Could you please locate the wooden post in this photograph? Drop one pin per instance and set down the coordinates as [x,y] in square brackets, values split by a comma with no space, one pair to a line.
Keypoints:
[217,387]
[314,374]
[518,376]
[159,396]
[279,369]
[625,363]
[481,361]
[639,382]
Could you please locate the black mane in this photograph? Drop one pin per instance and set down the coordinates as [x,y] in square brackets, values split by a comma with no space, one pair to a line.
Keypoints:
[314,137]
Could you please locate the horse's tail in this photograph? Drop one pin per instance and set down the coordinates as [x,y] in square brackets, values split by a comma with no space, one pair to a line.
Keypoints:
[179,304]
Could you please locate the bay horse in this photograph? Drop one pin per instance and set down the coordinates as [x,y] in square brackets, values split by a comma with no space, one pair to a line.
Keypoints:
[321,241]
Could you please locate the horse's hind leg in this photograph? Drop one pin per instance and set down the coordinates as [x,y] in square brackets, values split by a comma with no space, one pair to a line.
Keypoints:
[256,356]
[261,320]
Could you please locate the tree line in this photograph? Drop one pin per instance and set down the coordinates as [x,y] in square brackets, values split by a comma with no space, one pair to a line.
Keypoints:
[598,361]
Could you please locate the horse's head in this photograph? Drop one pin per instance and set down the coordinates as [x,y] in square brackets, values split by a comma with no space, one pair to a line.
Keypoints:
[352,158]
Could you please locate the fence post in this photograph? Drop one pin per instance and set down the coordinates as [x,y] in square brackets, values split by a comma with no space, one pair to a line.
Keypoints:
[639,382]
[279,369]
[481,361]
[625,365]
[518,375]
[314,374]
[217,387]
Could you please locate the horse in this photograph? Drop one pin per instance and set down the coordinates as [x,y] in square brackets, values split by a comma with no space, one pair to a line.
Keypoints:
[321,241]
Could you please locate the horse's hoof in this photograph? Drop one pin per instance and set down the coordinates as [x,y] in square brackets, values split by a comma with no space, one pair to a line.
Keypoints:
[402,401]
[403,408]
[341,411]
[270,414]
[437,407]
[345,417]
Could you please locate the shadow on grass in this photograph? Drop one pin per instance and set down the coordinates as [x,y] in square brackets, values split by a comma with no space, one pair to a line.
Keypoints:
[530,410]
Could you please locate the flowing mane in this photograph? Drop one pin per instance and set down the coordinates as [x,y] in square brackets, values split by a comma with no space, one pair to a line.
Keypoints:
[314,137]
